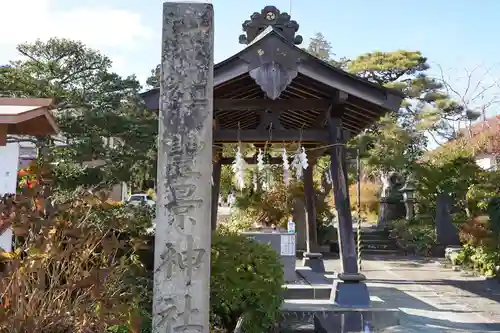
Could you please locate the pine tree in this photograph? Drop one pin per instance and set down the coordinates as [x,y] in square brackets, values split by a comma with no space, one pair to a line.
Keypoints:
[99,113]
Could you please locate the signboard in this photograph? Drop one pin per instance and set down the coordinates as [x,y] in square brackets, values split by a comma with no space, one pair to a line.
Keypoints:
[290,226]
[9,155]
[288,245]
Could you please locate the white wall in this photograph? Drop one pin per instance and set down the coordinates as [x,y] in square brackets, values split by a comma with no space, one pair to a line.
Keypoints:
[487,161]
[9,157]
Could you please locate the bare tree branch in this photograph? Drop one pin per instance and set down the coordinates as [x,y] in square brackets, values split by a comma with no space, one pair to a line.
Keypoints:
[477,95]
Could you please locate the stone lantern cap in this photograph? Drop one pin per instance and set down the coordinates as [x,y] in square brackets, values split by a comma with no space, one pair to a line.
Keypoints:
[26,116]
[409,186]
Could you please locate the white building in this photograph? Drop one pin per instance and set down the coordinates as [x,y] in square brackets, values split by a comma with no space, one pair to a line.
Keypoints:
[490,162]
[488,133]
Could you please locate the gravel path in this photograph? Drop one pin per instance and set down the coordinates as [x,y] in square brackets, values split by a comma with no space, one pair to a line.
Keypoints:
[432,298]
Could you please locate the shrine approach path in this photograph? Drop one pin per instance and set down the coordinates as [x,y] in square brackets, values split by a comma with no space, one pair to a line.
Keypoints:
[432,297]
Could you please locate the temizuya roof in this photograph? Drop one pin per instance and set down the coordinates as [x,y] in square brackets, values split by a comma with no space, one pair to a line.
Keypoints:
[271,72]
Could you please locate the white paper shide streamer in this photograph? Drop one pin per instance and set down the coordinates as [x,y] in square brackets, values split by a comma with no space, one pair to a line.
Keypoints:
[328,177]
[260,161]
[239,165]
[286,168]
[299,163]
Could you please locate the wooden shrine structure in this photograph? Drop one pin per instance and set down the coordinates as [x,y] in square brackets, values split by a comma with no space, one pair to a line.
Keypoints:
[18,117]
[273,92]
[26,116]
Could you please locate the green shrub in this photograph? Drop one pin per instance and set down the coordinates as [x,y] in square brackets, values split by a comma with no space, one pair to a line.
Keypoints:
[479,194]
[453,174]
[482,253]
[246,278]
[240,220]
[465,254]
[145,325]
[276,205]
[417,236]
[482,234]
[483,259]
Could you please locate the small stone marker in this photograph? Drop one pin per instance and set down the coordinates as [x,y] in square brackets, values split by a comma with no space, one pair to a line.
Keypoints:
[446,231]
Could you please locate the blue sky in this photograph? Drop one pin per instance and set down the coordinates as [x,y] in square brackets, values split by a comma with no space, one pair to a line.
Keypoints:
[457,34]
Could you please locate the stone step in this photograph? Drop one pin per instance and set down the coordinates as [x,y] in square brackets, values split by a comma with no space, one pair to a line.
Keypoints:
[381,248]
[299,328]
[371,244]
[380,252]
[370,236]
[373,231]
[330,254]
[378,246]
[365,250]
[326,317]
[378,240]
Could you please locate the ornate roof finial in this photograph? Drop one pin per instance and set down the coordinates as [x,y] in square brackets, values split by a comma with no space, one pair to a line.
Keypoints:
[270,16]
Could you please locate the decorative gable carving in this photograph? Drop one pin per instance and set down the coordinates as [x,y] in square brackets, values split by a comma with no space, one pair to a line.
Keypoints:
[270,16]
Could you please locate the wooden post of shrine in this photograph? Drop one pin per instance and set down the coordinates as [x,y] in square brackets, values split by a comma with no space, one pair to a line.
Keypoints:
[349,289]
[312,257]
[181,293]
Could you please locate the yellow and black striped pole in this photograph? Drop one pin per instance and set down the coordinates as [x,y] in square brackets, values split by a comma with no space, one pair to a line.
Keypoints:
[358,206]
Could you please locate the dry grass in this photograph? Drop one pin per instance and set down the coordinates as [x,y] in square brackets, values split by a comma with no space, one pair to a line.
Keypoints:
[476,231]
[370,193]
[64,275]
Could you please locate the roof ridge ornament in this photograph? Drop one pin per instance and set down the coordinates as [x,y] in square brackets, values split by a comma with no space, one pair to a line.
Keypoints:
[270,16]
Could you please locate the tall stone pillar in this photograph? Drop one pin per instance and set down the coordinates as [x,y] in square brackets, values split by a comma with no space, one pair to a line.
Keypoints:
[182,240]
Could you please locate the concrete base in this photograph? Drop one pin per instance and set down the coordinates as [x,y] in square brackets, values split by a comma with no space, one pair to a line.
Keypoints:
[355,321]
[314,261]
[350,292]
[347,322]
[309,292]
[313,278]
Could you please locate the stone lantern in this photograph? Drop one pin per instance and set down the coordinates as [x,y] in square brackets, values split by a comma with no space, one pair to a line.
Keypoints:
[408,191]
